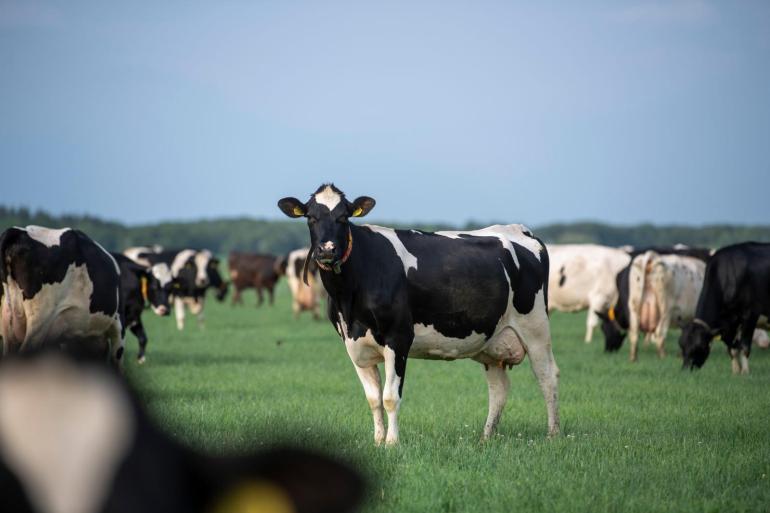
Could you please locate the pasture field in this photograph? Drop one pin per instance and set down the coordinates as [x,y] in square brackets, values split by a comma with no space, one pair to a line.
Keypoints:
[642,437]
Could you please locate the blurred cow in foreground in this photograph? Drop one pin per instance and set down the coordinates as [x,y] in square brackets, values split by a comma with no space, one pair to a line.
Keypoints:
[735,300]
[140,285]
[73,439]
[304,297]
[59,284]
[582,276]
[252,270]
[194,272]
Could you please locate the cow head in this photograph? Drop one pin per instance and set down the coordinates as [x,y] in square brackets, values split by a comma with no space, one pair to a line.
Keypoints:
[202,259]
[613,334]
[215,279]
[695,342]
[156,287]
[327,212]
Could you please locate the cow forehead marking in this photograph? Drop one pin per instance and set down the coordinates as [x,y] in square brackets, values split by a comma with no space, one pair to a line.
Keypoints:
[328,198]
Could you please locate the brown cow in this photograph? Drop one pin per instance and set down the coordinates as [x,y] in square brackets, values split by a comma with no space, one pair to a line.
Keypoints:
[251,270]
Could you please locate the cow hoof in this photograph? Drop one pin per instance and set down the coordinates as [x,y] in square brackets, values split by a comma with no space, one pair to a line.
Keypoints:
[141,360]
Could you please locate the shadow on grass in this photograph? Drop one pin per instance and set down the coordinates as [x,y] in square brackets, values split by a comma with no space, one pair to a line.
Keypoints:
[198,359]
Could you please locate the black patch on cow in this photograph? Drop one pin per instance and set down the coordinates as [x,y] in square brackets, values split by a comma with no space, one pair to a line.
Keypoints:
[562,277]
[32,264]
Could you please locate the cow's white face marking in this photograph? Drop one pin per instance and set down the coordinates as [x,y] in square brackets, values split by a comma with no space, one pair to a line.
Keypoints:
[328,198]
[45,236]
[202,259]
[162,273]
[63,432]
[407,259]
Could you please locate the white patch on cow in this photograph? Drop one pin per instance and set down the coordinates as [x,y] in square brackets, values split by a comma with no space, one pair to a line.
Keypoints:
[430,344]
[46,236]
[180,260]
[407,259]
[328,198]
[133,254]
[506,233]
[63,432]
[162,273]
[202,259]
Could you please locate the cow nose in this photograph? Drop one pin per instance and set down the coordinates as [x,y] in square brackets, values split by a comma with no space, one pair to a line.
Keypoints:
[326,247]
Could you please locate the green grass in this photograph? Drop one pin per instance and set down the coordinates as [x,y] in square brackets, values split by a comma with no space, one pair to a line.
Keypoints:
[635,437]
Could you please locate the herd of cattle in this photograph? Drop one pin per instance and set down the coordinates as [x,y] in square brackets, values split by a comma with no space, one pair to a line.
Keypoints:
[391,294]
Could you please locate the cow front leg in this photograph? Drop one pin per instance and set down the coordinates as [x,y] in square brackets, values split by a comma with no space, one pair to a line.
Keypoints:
[260,297]
[499,385]
[547,374]
[179,312]
[744,345]
[592,321]
[370,379]
[138,330]
[395,369]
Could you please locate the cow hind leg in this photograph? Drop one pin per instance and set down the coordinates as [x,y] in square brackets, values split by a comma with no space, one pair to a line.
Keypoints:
[115,339]
[592,321]
[395,368]
[499,385]
[546,371]
[370,379]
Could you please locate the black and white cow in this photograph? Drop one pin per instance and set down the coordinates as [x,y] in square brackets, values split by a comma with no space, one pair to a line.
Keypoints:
[140,285]
[194,272]
[444,295]
[73,439]
[59,284]
[735,299]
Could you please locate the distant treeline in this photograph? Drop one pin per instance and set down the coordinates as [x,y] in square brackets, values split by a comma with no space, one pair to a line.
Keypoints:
[246,234]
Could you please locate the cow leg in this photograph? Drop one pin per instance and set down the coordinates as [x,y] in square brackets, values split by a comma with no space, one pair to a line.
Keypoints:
[116,346]
[271,293]
[499,385]
[260,297]
[633,342]
[592,321]
[744,347]
[659,336]
[395,368]
[237,296]
[138,330]
[544,367]
[179,312]
[370,379]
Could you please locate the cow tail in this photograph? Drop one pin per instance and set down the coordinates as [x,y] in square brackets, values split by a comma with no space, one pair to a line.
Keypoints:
[545,260]
[304,267]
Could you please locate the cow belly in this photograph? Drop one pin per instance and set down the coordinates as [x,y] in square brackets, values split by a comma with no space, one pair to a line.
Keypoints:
[430,344]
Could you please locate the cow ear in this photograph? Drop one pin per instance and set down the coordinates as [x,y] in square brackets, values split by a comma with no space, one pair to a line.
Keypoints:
[292,207]
[362,206]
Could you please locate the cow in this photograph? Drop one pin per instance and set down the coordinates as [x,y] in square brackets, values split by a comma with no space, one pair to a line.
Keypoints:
[140,285]
[194,272]
[583,277]
[734,301]
[74,439]
[616,319]
[134,253]
[663,290]
[304,297]
[252,270]
[63,284]
[446,295]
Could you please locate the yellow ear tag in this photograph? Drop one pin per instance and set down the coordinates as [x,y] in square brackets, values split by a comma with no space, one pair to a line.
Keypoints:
[298,211]
[144,288]
[357,212]
[255,497]
[612,313]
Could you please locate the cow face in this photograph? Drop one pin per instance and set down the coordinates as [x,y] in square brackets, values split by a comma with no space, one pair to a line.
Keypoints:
[215,279]
[695,342]
[327,214]
[202,259]
[159,283]
[613,335]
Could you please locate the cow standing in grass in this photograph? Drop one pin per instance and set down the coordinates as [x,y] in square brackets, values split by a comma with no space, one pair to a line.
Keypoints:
[62,285]
[735,299]
[444,295]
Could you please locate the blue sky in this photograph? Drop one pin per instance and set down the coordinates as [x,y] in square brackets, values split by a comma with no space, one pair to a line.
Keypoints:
[443,111]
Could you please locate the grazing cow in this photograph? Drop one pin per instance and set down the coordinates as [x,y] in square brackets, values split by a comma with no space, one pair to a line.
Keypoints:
[73,439]
[663,289]
[583,277]
[140,285]
[63,284]
[444,295]
[616,319]
[251,270]
[194,271]
[304,297]
[735,299]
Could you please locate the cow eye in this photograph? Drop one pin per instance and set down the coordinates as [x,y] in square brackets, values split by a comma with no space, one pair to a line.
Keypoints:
[342,219]
[312,220]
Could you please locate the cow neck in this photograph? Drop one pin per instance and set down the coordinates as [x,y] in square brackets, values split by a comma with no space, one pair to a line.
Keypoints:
[707,312]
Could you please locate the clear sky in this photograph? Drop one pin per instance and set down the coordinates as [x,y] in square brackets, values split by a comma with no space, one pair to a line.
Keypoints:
[443,111]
